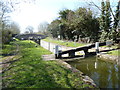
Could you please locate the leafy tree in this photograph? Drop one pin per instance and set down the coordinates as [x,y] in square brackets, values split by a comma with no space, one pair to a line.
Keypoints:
[108,26]
[86,25]
[53,28]
[116,34]
[65,30]
[80,23]
[102,20]
[106,21]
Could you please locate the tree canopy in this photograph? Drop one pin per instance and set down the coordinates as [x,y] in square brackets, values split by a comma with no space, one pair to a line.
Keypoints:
[82,24]
[75,25]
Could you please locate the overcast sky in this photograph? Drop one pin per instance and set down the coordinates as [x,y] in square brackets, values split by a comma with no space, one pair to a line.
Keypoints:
[45,10]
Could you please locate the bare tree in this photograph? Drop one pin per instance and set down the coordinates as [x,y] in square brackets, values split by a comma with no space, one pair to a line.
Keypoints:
[30,29]
[43,27]
[14,28]
[4,17]
[91,3]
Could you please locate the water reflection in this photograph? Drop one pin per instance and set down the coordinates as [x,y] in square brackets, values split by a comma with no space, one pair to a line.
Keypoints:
[87,67]
[96,63]
[104,74]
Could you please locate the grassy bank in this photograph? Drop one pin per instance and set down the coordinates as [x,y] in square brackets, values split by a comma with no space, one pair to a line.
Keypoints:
[30,71]
[7,50]
[64,43]
[115,53]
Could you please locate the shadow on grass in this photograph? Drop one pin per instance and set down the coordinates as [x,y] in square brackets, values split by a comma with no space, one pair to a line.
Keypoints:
[36,75]
[10,62]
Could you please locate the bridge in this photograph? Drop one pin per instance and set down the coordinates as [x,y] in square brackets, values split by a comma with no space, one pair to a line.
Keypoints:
[34,37]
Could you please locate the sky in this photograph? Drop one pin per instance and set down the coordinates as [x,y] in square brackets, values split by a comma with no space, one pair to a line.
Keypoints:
[32,14]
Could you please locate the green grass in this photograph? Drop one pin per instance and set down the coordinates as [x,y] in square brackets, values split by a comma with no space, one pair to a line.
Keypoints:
[64,43]
[115,53]
[8,48]
[113,46]
[32,72]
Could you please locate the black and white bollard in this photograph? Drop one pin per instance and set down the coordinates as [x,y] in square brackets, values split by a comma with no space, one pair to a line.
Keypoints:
[56,51]
[97,47]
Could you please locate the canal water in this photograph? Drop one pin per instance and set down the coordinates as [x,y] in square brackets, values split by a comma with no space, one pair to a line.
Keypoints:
[105,74]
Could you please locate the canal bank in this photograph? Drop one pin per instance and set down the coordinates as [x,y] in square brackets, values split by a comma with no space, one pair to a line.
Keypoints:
[110,58]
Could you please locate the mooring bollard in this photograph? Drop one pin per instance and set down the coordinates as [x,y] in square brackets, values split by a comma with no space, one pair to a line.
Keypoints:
[97,47]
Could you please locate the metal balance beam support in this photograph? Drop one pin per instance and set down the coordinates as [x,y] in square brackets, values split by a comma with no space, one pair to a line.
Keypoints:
[72,54]
[86,51]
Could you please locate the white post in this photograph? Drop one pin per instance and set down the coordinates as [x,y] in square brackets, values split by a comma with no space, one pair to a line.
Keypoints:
[56,51]
[97,47]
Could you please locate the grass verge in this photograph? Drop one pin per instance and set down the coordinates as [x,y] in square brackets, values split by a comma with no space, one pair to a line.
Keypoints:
[32,72]
[115,53]
[64,43]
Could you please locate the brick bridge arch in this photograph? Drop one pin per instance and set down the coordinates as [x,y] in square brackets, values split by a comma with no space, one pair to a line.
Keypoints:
[34,37]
